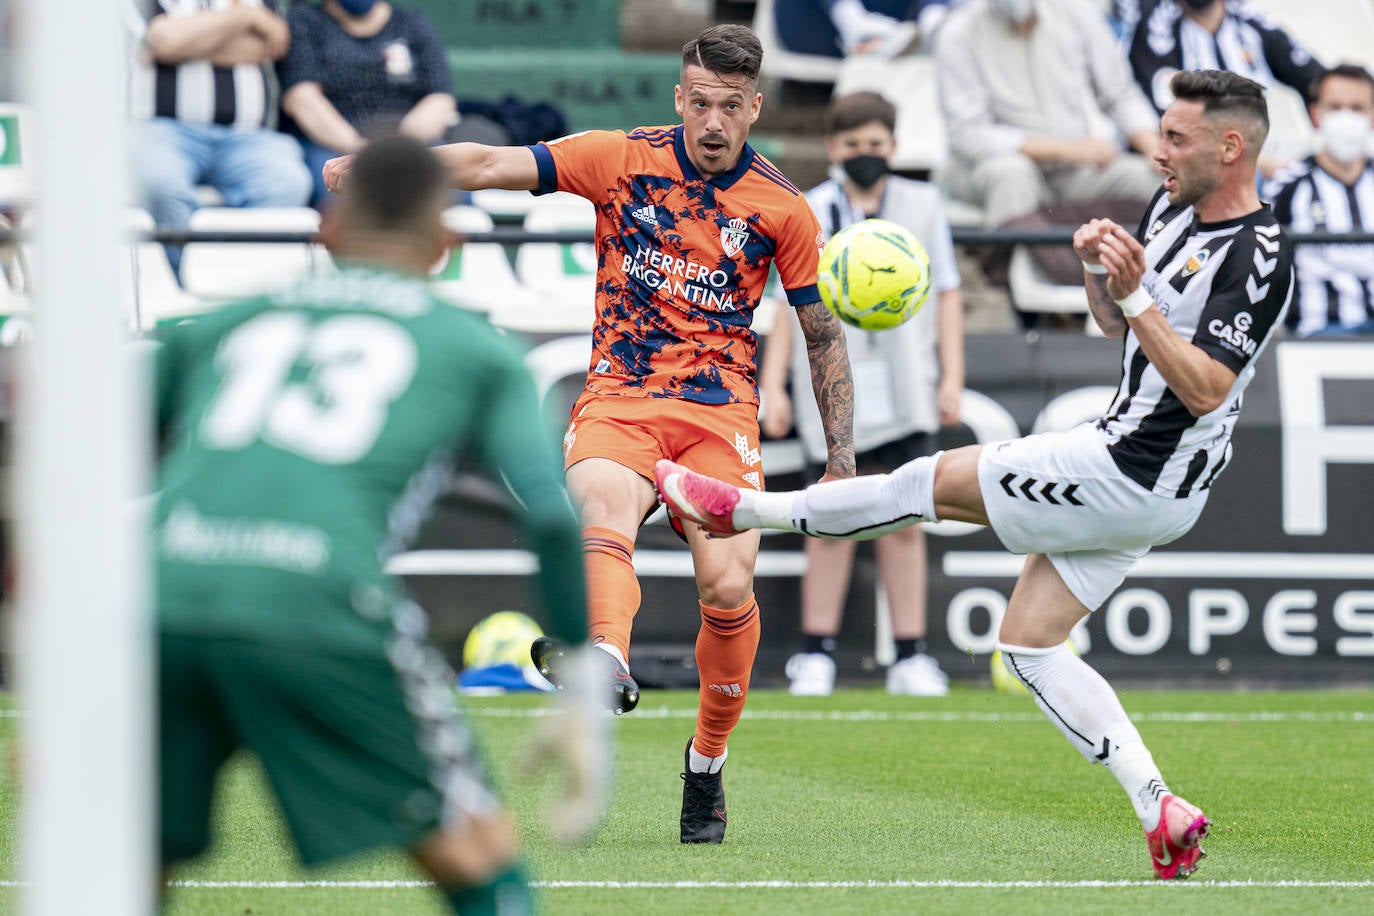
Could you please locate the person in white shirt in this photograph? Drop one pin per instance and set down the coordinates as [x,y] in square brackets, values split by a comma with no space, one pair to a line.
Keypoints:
[907,384]
[1035,94]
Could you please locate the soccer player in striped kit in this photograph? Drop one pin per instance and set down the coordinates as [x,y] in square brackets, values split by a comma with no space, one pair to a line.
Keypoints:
[1197,290]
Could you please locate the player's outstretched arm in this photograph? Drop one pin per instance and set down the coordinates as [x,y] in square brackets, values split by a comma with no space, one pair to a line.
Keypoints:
[834,387]
[471,167]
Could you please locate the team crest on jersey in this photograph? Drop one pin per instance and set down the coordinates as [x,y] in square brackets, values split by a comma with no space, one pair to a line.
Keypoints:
[1196,262]
[734,235]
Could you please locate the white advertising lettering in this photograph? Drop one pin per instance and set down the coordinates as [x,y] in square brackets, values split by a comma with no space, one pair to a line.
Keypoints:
[686,279]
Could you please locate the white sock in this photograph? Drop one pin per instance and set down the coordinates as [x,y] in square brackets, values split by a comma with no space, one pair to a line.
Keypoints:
[614,653]
[1083,706]
[858,509]
[698,762]
[764,510]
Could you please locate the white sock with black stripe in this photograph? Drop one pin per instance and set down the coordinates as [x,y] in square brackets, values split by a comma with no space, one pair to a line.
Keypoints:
[1085,708]
[859,508]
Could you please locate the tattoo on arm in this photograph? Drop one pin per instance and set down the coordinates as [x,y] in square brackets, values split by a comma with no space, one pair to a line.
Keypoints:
[830,379]
[1105,310]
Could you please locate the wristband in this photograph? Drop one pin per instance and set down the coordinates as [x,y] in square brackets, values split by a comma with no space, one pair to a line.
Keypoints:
[1136,303]
[1094,268]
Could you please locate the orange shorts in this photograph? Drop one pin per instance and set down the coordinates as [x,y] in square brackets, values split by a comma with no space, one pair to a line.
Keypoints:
[721,440]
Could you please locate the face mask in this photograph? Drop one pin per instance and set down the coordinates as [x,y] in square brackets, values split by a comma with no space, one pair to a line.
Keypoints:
[357,7]
[1198,5]
[1344,135]
[864,170]
[1017,11]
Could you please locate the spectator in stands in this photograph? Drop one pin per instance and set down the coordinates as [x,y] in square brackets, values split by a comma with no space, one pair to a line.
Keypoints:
[1025,86]
[361,65]
[205,109]
[1333,191]
[1175,35]
[907,383]
[836,28]
[1125,15]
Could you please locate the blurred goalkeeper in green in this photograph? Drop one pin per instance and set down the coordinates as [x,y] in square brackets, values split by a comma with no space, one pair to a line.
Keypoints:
[305,434]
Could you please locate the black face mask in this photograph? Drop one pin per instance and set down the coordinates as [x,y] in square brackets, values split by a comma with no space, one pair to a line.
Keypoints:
[1198,5]
[865,170]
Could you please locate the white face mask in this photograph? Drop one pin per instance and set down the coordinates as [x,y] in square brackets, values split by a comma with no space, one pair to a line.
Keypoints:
[1018,11]
[1344,135]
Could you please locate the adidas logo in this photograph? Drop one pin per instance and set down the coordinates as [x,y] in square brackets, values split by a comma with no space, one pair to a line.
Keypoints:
[729,690]
[646,215]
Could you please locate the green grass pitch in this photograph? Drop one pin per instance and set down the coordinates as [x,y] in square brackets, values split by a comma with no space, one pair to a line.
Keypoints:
[867,804]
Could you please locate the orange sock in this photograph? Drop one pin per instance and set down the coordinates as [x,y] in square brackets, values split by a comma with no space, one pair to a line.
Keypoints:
[612,589]
[726,646]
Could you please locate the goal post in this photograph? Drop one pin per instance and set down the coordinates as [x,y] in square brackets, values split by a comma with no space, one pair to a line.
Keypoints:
[84,660]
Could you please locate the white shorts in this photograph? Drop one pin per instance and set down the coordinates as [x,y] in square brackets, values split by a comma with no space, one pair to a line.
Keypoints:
[1062,495]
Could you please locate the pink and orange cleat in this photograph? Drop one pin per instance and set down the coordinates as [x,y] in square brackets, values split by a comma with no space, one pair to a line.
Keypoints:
[705,500]
[1174,849]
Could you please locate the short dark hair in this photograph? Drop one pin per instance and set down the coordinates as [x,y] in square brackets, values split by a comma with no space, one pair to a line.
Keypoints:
[1348,71]
[726,48]
[856,109]
[1224,94]
[393,180]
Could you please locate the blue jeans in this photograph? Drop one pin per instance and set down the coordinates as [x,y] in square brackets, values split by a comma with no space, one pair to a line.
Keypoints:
[315,158]
[249,168]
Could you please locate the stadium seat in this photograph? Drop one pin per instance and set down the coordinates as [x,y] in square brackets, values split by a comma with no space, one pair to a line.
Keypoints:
[218,271]
[475,275]
[1031,291]
[562,277]
[909,83]
[781,63]
[16,153]
[157,297]
[504,205]
[15,325]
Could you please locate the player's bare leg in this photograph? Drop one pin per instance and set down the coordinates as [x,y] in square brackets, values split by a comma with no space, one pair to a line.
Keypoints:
[1079,701]
[726,645]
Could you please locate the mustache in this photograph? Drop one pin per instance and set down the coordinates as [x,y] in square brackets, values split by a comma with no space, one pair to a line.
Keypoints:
[715,138]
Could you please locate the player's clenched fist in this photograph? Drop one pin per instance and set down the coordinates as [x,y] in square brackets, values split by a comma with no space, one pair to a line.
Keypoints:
[1087,239]
[336,170]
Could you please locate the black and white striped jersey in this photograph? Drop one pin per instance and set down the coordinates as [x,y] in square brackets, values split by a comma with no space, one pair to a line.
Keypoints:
[1248,43]
[1223,286]
[196,91]
[1336,281]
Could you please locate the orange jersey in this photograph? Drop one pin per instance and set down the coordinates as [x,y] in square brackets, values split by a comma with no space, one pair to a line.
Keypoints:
[681,260]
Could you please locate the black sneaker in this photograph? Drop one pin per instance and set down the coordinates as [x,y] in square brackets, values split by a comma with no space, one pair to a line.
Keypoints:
[548,655]
[703,803]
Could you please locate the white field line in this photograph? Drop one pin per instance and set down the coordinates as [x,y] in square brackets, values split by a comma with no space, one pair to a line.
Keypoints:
[872,715]
[869,715]
[769,885]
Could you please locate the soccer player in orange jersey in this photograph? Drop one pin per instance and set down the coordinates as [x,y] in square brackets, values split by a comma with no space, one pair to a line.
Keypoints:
[688,219]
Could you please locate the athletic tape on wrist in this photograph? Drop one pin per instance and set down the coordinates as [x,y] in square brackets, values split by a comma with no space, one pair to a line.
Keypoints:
[1136,303]
[1094,268]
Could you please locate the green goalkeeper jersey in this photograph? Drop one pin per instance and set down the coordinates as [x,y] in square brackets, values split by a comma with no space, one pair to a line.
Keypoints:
[306,434]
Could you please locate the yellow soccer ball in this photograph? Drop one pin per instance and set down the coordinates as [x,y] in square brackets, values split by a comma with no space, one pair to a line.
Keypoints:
[501,638]
[1003,681]
[874,274]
